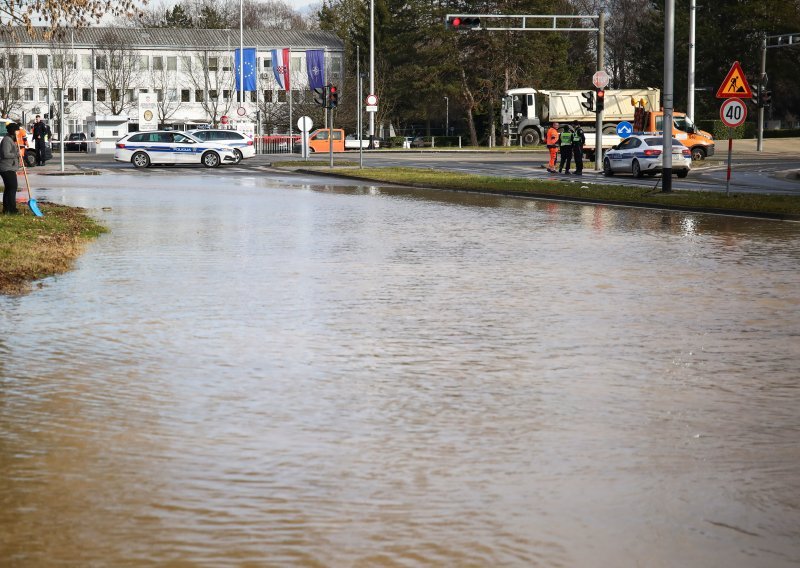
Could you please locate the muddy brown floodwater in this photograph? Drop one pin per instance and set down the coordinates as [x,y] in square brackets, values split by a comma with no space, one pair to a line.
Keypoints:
[269,373]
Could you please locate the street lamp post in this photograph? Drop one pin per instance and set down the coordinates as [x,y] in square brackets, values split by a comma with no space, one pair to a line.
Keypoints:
[447,117]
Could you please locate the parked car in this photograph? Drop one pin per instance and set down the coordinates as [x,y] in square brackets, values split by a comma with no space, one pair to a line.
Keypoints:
[143,149]
[241,143]
[351,142]
[640,155]
[421,142]
[76,142]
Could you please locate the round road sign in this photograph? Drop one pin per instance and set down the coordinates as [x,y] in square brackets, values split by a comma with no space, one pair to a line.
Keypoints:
[600,79]
[241,111]
[372,100]
[733,112]
[224,119]
[304,123]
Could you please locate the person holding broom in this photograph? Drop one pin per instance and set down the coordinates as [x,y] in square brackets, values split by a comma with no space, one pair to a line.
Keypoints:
[9,164]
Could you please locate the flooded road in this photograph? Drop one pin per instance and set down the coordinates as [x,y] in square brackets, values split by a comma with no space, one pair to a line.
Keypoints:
[256,373]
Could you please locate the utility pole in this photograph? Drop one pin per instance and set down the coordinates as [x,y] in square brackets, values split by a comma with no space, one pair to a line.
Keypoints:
[372,70]
[690,98]
[669,54]
[763,83]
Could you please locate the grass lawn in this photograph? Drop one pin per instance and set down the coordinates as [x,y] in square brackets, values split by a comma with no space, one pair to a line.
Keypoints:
[777,205]
[32,248]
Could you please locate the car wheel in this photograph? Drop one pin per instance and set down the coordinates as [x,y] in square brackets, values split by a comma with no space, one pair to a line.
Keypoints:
[140,160]
[211,160]
[607,171]
[637,169]
[683,173]
[698,153]
[238,155]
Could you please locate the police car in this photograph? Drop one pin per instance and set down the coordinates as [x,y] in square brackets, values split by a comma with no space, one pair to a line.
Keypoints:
[242,144]
[169,147]
[640,155]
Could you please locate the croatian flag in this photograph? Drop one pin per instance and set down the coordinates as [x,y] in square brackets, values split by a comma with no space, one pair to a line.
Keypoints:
[248,72]
[280,66]
[315,65]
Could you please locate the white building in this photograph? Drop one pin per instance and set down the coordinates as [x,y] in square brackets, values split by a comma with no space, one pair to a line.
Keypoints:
[188,74]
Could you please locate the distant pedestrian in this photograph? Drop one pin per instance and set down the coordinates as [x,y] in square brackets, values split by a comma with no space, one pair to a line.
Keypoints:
[565,146]
[40,134]
[551,141]
[9,164]
[578,141]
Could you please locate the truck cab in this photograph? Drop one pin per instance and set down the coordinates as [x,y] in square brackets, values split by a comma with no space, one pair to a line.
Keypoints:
[700,143]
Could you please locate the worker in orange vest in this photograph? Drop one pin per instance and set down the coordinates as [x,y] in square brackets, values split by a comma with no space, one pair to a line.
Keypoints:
[551,140]
[22,138]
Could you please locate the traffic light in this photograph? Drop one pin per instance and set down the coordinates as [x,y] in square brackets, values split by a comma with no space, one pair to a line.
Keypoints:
[320,96]
[766,99]
[756,98]
[333,96]
[588,104]
[462,23]
[601,101]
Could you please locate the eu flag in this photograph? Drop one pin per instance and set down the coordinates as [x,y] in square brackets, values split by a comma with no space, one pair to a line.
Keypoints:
[249,70]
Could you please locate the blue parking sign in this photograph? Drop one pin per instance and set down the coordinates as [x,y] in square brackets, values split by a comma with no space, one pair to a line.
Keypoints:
[624,129]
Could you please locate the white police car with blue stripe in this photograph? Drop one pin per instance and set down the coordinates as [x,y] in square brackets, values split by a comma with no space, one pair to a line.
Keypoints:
[242,144]
[143,149]
[640,155]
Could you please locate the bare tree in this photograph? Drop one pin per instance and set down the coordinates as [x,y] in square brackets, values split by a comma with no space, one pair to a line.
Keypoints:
[118,71]
[12,79]
[61,72]
[165,81]
[210,74]
[64,13]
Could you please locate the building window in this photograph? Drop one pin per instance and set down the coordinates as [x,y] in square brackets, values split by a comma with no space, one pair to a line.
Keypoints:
[226,63]
[185,95]
[86,62]
[172,94]
[295,63]
[253,96]
[27,61]
[101,95]
[27,94]
[158,63]
[129,94]
[213,95]
[282,98]
[198,96]
[160,95]
[42,94]
[267,63]
[86,94]
[100,62]
[213,63]
[297,96]
[72,94]
[226,95]
[172,63]
[41,61]
[267,96]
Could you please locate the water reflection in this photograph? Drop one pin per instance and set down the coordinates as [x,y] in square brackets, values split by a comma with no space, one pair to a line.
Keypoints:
[321,375]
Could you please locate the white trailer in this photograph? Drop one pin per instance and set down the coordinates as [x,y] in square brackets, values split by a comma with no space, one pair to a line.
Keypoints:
[528,113]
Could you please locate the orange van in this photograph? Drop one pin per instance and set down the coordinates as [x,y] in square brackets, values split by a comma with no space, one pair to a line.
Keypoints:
[319,140]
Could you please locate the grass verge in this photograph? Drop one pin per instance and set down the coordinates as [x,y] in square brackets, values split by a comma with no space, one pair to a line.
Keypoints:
[787,206]
[32,248]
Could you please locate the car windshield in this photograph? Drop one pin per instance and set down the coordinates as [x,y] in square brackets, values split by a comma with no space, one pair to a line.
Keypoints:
[660,141]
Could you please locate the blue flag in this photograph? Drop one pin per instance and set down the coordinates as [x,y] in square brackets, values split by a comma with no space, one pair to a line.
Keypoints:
[315,64]
[249,69]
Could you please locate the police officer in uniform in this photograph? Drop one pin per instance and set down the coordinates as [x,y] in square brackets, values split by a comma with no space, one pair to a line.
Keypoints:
[565,143]
[578,140]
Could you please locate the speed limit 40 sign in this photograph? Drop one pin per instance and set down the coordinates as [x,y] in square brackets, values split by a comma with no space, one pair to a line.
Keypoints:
[733,112]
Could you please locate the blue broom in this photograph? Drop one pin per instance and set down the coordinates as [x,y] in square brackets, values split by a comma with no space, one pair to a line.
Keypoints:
[32,205]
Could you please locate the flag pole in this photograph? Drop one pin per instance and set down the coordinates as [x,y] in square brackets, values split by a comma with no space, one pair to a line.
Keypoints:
[241,53]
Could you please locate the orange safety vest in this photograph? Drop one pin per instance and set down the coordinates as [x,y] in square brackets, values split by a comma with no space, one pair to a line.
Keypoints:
[21,142]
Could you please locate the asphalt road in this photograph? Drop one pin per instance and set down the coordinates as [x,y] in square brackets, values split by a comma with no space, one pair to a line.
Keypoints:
[773,171]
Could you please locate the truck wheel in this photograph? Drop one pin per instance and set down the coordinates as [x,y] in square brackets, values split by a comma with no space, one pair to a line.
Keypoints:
[609,129]
[698,153]
[30,160]
[530,137]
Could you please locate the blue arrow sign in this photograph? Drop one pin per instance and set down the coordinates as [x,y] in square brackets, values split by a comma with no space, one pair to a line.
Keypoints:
[624,129]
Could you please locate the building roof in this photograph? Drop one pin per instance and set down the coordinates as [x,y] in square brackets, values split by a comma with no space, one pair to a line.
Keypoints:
[171,38]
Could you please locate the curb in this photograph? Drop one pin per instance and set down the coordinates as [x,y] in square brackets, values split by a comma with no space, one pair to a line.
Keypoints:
[565,198]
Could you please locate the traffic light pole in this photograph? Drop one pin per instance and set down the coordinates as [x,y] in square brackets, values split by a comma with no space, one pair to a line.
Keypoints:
[762,86]
[598,127]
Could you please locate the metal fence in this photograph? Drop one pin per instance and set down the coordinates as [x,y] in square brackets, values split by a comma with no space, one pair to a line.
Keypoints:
[275,144]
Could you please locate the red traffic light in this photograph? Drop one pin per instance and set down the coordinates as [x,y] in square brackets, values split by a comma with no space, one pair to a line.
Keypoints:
[463,22]
[455,22]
